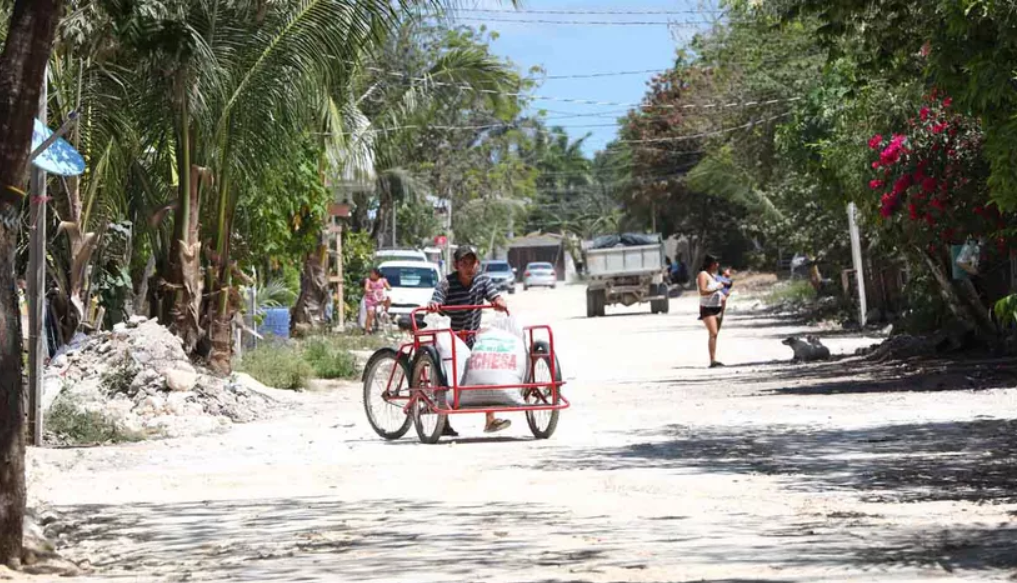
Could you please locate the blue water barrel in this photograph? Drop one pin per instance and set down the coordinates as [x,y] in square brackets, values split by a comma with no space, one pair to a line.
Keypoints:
[276,323]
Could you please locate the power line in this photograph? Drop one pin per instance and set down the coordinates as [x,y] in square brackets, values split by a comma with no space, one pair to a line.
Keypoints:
[705,134]
[607,74]
[590,22]
[468,87]
[581,12]
[549,131]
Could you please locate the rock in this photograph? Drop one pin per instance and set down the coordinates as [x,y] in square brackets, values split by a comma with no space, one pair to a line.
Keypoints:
[180,380]
[53,566]
[150,406]
[145,380]
[136,320]
[120,326]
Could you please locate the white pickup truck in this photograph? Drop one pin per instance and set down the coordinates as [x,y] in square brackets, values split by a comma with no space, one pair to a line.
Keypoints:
[626,269]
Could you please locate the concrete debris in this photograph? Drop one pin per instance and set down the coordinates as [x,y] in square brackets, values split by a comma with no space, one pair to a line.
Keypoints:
[138,377]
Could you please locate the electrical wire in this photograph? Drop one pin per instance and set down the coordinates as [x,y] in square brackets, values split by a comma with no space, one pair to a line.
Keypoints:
[688,23]
[581,12]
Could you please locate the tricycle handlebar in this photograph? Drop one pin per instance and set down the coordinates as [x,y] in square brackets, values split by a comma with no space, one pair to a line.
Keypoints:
[431,310]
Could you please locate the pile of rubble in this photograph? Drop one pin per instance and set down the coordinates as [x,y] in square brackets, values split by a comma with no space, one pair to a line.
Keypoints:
[138,377]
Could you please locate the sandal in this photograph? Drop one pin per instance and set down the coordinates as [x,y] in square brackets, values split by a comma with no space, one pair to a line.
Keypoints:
[497,425]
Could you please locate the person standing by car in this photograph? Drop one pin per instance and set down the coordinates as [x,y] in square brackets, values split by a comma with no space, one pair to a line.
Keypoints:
[466,287]
[712,300]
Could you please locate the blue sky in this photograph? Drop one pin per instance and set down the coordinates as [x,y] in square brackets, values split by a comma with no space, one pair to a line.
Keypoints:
[582,49]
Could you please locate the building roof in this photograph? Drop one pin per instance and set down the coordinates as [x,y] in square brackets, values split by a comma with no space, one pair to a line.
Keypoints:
[536,240]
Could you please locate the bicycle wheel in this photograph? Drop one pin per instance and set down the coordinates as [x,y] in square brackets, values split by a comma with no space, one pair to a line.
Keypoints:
[387,374]
[543,423]
[426,378]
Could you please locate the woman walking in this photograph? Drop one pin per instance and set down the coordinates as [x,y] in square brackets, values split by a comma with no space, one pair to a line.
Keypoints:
[711,303]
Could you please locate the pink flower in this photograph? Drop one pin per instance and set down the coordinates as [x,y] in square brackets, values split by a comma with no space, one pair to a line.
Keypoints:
[888,203]
[948,102]
[937,204]
[978,210]
[875,142]
[902,184]
[924,113]
[938,128]
[913,211]
[876,184]
[875,165]
[929,185]
[930,220]
[890,155]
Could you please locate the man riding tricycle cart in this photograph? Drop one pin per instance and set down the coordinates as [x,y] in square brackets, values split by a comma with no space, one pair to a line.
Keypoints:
[464,368]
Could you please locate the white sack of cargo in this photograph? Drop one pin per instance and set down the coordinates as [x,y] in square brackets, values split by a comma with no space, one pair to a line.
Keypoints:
[498,358]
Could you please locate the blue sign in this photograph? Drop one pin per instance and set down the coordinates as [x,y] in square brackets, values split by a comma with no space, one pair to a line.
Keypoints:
[60,157]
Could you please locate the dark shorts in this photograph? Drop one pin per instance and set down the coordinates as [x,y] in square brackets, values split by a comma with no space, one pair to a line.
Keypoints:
[705,312]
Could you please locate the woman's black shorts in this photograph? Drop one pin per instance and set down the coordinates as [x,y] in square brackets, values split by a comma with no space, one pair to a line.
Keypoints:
[705,311]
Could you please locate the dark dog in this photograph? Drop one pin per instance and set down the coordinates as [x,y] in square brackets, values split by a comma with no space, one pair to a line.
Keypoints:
[808,350]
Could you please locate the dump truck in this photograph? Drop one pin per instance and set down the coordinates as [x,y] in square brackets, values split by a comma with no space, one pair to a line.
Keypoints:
[626,269]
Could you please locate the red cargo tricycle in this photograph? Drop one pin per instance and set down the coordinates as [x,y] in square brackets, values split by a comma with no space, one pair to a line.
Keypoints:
[409,385]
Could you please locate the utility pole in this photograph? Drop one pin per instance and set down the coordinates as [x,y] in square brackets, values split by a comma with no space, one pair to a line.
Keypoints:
[395,212]
[856,258]
[341,300]
[448,233]
[37,287]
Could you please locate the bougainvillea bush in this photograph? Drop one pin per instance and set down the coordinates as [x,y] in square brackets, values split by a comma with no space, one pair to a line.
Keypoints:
[931,180]
[930,185]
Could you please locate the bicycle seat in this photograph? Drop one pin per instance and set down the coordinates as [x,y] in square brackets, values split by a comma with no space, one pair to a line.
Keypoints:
[405,324]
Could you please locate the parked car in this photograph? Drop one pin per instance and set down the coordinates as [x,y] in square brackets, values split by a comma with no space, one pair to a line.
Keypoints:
[412,282]
[539,274]
[502,275]
[399,255]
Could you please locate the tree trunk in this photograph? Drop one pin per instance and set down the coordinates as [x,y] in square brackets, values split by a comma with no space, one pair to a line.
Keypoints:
[225,300]
[183,283]
[309,310]
[961,298]
[22,69]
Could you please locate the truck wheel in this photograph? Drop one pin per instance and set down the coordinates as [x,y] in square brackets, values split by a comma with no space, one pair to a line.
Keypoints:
[665,304]
[591,304]
[601,296]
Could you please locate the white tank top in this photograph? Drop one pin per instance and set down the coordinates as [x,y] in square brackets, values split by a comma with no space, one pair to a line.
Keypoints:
[716,299]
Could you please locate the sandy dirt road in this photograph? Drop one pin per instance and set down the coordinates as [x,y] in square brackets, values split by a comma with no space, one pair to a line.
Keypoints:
[662,471]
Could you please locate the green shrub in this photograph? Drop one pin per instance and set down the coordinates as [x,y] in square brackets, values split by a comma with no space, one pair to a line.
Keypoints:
[118,377]
[329,358]
[357,341]
[71,424]
[281,366]
[795,292]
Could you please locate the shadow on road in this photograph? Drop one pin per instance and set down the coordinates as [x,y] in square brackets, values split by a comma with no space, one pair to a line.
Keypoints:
[970,461]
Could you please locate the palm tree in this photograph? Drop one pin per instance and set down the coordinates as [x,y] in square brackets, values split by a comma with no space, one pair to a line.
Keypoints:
[373,126]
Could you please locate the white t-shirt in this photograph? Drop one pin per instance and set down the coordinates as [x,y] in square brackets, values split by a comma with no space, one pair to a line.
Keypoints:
[716,299]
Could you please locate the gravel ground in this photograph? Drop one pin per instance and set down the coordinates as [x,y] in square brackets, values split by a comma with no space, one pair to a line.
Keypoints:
[662,471]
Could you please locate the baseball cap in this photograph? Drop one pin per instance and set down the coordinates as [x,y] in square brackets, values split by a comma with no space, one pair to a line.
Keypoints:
[464,250]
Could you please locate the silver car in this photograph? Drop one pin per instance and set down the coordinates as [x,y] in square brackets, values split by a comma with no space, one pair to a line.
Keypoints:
[539,274]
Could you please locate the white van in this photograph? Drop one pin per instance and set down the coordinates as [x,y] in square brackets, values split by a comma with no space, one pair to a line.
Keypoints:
[399,255]
[412,282]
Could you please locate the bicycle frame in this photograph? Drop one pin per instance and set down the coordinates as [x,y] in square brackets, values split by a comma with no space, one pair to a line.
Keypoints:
[552,402]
